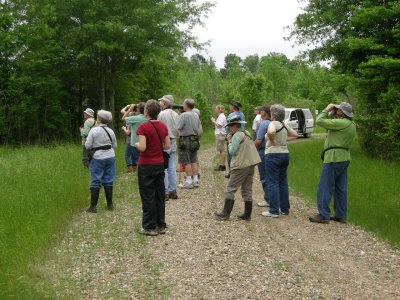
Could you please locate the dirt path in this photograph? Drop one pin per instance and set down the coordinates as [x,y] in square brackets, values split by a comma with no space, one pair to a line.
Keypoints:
[103,256]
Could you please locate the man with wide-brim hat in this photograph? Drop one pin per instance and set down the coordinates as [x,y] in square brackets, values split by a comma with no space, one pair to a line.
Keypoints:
[234,108]
[88,116]
[341,130]
[244,159]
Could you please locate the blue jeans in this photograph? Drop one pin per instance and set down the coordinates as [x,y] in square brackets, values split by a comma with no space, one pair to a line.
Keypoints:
[102,172]
[333,181]
[131,155]
[170,173]
[277,182]
[262,172]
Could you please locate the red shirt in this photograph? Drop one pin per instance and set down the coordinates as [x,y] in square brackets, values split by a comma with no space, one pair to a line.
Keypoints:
[153,154]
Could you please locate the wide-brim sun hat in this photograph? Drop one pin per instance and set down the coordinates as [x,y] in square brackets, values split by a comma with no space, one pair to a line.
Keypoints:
[169,99]
[234,120]
[346,108]
[236,104]
[89,112]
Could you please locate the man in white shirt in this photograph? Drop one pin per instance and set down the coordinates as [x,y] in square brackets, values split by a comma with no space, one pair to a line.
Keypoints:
[220,136]
[256,121]
[170,119]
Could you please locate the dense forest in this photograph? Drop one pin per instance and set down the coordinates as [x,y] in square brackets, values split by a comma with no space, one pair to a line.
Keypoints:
[57,57]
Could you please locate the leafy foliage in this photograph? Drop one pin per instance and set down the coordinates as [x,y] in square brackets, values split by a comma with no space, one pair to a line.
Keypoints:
[361,38]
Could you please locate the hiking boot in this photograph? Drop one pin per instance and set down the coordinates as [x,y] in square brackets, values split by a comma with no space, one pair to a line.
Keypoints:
[263,204]
[185,185]
[269,215]
[220,168]
[248,207]
[129,169]
[173,195]
[318,219]
[226,212]
[340,220]
[149,232]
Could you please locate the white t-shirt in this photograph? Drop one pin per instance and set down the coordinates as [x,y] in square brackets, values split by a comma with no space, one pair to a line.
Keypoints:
[221,120]
[256,122]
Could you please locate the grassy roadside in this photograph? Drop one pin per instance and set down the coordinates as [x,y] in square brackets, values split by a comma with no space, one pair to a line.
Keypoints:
[42,188]
[373,187]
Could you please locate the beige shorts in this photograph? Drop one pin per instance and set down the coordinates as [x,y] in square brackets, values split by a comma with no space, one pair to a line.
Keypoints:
[220,142]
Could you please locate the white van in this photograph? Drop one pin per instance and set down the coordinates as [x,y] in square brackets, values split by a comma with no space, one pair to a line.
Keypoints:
[300,119]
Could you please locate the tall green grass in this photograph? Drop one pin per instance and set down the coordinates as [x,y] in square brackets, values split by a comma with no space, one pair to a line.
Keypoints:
[41,188]
[373,187]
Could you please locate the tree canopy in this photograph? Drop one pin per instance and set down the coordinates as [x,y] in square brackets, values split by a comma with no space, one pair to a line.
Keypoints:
[361,38]
[56,57]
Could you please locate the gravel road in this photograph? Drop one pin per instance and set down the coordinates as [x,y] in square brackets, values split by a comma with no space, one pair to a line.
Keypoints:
[103,257]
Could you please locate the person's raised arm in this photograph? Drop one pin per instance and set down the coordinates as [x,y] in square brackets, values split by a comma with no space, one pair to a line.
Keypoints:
[292,134]
[126,112]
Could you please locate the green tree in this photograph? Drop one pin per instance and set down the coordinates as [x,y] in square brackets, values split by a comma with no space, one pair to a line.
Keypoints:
[361,39]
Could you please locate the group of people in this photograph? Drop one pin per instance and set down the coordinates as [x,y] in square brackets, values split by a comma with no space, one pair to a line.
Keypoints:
[155,132]
[152,130]
[270,153]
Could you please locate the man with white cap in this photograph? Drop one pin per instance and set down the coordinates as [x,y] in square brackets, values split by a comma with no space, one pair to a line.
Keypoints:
[88,116]
[341,130]
[170,118]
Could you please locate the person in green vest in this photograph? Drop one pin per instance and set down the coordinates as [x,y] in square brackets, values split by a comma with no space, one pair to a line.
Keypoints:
[244,158]
[341,130]
[88,116]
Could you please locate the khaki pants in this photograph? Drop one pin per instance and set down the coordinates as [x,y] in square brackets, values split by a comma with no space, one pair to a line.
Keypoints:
[241,178]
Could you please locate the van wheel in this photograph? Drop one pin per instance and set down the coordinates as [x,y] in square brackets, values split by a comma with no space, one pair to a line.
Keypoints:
[306,135]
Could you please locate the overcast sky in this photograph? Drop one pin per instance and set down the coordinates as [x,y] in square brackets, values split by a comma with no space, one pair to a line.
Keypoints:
[247,27]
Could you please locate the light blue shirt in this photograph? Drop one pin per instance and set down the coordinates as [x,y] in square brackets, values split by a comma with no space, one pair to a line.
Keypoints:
[261,132]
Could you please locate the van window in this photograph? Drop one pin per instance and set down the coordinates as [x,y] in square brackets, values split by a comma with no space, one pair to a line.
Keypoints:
[307,113]
[287,115]
[293,115]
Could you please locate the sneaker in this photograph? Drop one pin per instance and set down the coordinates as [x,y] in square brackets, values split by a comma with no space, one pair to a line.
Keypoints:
[284,213]
[268,214]
[263,204]
[318,219]
[162,230]
[186,185]
[166,196]
[340,220]
[196,184]
[173,195]
[150,232]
